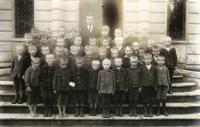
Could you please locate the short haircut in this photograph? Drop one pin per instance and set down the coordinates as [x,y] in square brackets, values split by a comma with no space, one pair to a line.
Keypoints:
[95,62]
[161,57]
[44,47]
[147,55]
[32,47]
[114,49]
[79,59]
[48,55]
[105,27]
[106,61]
[166,38]
[27,34]
[118,58]
[133,58]
[135,43]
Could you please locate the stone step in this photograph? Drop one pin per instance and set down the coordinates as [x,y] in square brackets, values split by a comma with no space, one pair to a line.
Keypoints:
[8,96]
[173,108]
[175,120]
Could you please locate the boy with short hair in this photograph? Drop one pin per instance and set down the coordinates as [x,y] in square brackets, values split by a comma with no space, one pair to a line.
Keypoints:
[121,85]
[149,80]
[88,56]
[126,59]
[106,86]
[32,83]
[162,85]
[119,45]
[103,53]
[19,65]
[169,52]
[134,85]
[93,96]
[61,80]
[80,79]
[135,47]
[45,51]
[46,84]
[155,54]
[105,31]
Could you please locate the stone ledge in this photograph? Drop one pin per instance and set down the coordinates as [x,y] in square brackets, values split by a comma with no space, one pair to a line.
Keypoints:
[188,73]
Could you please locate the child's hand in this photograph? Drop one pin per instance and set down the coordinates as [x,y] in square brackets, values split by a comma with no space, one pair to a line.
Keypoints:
[140,89]
[54,91]
[28,89]
[23,76]
[72,84]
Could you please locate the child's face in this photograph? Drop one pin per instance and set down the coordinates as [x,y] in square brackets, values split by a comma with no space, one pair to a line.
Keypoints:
[156,52]
[167,42]
[95,66]
[44,40]
[133,62]
[92,42]
[147,60]
[106,65]
[32,51]
[63,64]
[20,50]
[35,63]
[59,52]
[45,51]
[114,53]
[128,51]
[73,34]
[60,43]
[89,20]
[62,31]
[79,63]
[161,61]
[74,51]
[28,39]
[50,59]
[102,53]
[105,43]
[78,41]
[141,52]
[136,46]
[118,33]
[119,41]
[118,62]
[105,31]
[88,51]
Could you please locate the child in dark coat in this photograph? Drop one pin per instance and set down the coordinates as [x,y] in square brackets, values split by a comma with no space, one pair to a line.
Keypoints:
[169,53]
[134,84]
[162,85]
[121,85]
[149,78]
[46,84]
[93,96]
[32,82]
[61,80]
[80,78]
[19,65]
[106,86]
[126,59]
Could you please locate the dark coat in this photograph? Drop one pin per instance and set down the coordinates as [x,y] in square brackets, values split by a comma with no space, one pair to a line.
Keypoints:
[106,81]
[32,77]
[170,57]
[86,34]
[61,79]
[80,78]
[126,62]
[149,77]
[120,79]
[46,75]
[93,76]
[163,76]
[18,67]
[134,77]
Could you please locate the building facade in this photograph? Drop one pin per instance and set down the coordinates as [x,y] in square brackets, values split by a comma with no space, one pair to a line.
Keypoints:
[141,16]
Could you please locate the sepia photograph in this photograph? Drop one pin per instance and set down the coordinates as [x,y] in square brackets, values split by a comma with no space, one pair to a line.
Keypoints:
[100,63]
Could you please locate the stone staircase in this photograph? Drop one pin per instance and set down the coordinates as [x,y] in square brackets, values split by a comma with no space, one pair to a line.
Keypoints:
[183,105]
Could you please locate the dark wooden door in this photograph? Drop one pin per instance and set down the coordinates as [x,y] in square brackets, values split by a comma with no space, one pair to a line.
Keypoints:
[24,16]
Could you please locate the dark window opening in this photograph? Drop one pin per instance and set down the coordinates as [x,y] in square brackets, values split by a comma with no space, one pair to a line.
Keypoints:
[112,14]
[24,16]
[176,19]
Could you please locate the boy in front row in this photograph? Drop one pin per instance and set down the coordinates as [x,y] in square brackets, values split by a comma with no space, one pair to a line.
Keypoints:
[106,86]
[80,78]
[121,85]
[19,65]
[149,78]
[93,95]
[61,80]
[162,85]
[32,82]
[134,84]
[46,84]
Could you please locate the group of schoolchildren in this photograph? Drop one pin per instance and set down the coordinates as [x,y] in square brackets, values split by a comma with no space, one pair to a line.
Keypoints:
[102,71]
